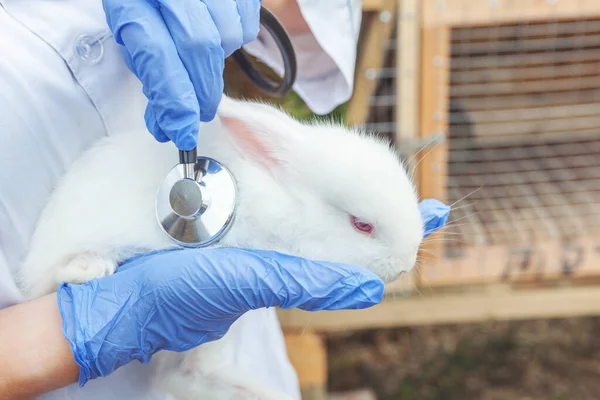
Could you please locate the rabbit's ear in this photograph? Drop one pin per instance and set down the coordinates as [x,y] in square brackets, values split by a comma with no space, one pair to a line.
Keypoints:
[260,138]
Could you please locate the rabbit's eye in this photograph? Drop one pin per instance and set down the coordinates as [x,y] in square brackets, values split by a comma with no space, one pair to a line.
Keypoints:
[362,226]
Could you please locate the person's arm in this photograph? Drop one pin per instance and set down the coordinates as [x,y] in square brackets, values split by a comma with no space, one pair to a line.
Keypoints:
[218,286]
[62,338]
[177,50]
[36,357]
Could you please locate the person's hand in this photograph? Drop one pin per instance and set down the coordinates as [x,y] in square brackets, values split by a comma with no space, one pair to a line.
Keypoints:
[435,215]
[177,49]
[179,299]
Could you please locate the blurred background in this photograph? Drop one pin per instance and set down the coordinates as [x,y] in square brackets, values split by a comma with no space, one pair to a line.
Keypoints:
[496,103]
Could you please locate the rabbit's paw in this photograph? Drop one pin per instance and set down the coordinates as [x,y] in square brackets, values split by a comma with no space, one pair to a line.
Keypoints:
[85,267]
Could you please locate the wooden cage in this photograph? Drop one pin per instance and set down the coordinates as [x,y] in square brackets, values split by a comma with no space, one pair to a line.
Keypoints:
[497,104]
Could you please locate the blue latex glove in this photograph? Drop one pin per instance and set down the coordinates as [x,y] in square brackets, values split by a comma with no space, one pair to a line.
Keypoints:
[177,49]
[181,299]
[435,215]
[177,300]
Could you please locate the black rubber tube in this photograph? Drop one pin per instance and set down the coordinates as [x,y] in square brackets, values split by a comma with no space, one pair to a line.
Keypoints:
[188,157]
[288,55]
[269,87]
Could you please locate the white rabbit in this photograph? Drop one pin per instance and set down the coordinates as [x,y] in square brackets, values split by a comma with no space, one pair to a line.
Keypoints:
[314,190]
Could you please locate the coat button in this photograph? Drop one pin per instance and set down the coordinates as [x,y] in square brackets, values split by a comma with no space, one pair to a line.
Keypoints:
[89,48]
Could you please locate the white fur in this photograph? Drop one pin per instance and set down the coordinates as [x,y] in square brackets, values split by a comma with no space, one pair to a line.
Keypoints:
[297,201]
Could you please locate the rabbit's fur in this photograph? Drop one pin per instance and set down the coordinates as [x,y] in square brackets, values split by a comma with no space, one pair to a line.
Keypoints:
[299,185]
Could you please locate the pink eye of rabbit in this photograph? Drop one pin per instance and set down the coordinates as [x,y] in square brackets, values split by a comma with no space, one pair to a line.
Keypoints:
[362,226]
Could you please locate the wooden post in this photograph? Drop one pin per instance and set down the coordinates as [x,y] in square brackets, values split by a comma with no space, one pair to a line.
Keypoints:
[372,5]
[408,45]
[432,164]
[377,28]
[308,355]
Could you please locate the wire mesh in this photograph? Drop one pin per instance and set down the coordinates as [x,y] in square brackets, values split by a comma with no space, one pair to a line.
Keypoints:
[382,112]
[523,131]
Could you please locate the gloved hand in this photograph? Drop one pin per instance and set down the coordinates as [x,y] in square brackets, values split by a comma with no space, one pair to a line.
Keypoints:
[435,215]
[177,49]
[179,299]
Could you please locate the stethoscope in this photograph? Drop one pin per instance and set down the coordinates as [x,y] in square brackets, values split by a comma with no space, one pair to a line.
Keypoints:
[196,202]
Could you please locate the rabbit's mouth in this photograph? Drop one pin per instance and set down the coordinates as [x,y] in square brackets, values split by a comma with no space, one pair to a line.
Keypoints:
[396,276]
[388,269]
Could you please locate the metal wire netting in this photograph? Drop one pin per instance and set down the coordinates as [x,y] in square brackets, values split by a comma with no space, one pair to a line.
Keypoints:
[524,131]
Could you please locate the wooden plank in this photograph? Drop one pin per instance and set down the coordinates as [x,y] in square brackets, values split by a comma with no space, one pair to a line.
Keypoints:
[510,166]
[523,45]
[528,177]
[373,5]
[550,58]
[407,79]
[512,115]
[511,88]
[528,29]
[540,126]
[371,56]
[408,44]
[550,260]
[473,13]
[508,102]
[495,302]
[541,99]
[431,173]
[308,356]
[539,138]
[525,72]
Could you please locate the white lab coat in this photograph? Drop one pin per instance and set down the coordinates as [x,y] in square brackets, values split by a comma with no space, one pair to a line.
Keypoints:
[57,97]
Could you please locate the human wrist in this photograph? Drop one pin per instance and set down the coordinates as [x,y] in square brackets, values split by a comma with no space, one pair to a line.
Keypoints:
[40,358]
[97,346]
[72,331]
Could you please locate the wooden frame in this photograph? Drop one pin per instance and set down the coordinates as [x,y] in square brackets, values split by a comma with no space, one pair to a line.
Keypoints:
[450,13]
[438,18]
[432,163]
[490,302]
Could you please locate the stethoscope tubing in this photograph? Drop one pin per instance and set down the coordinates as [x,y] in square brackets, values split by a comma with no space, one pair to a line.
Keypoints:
[271,88]
[288,55]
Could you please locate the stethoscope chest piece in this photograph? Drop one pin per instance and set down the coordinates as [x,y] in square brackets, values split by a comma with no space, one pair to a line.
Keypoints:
[195,204]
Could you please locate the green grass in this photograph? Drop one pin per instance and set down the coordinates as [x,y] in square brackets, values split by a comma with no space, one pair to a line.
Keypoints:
[294,104]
